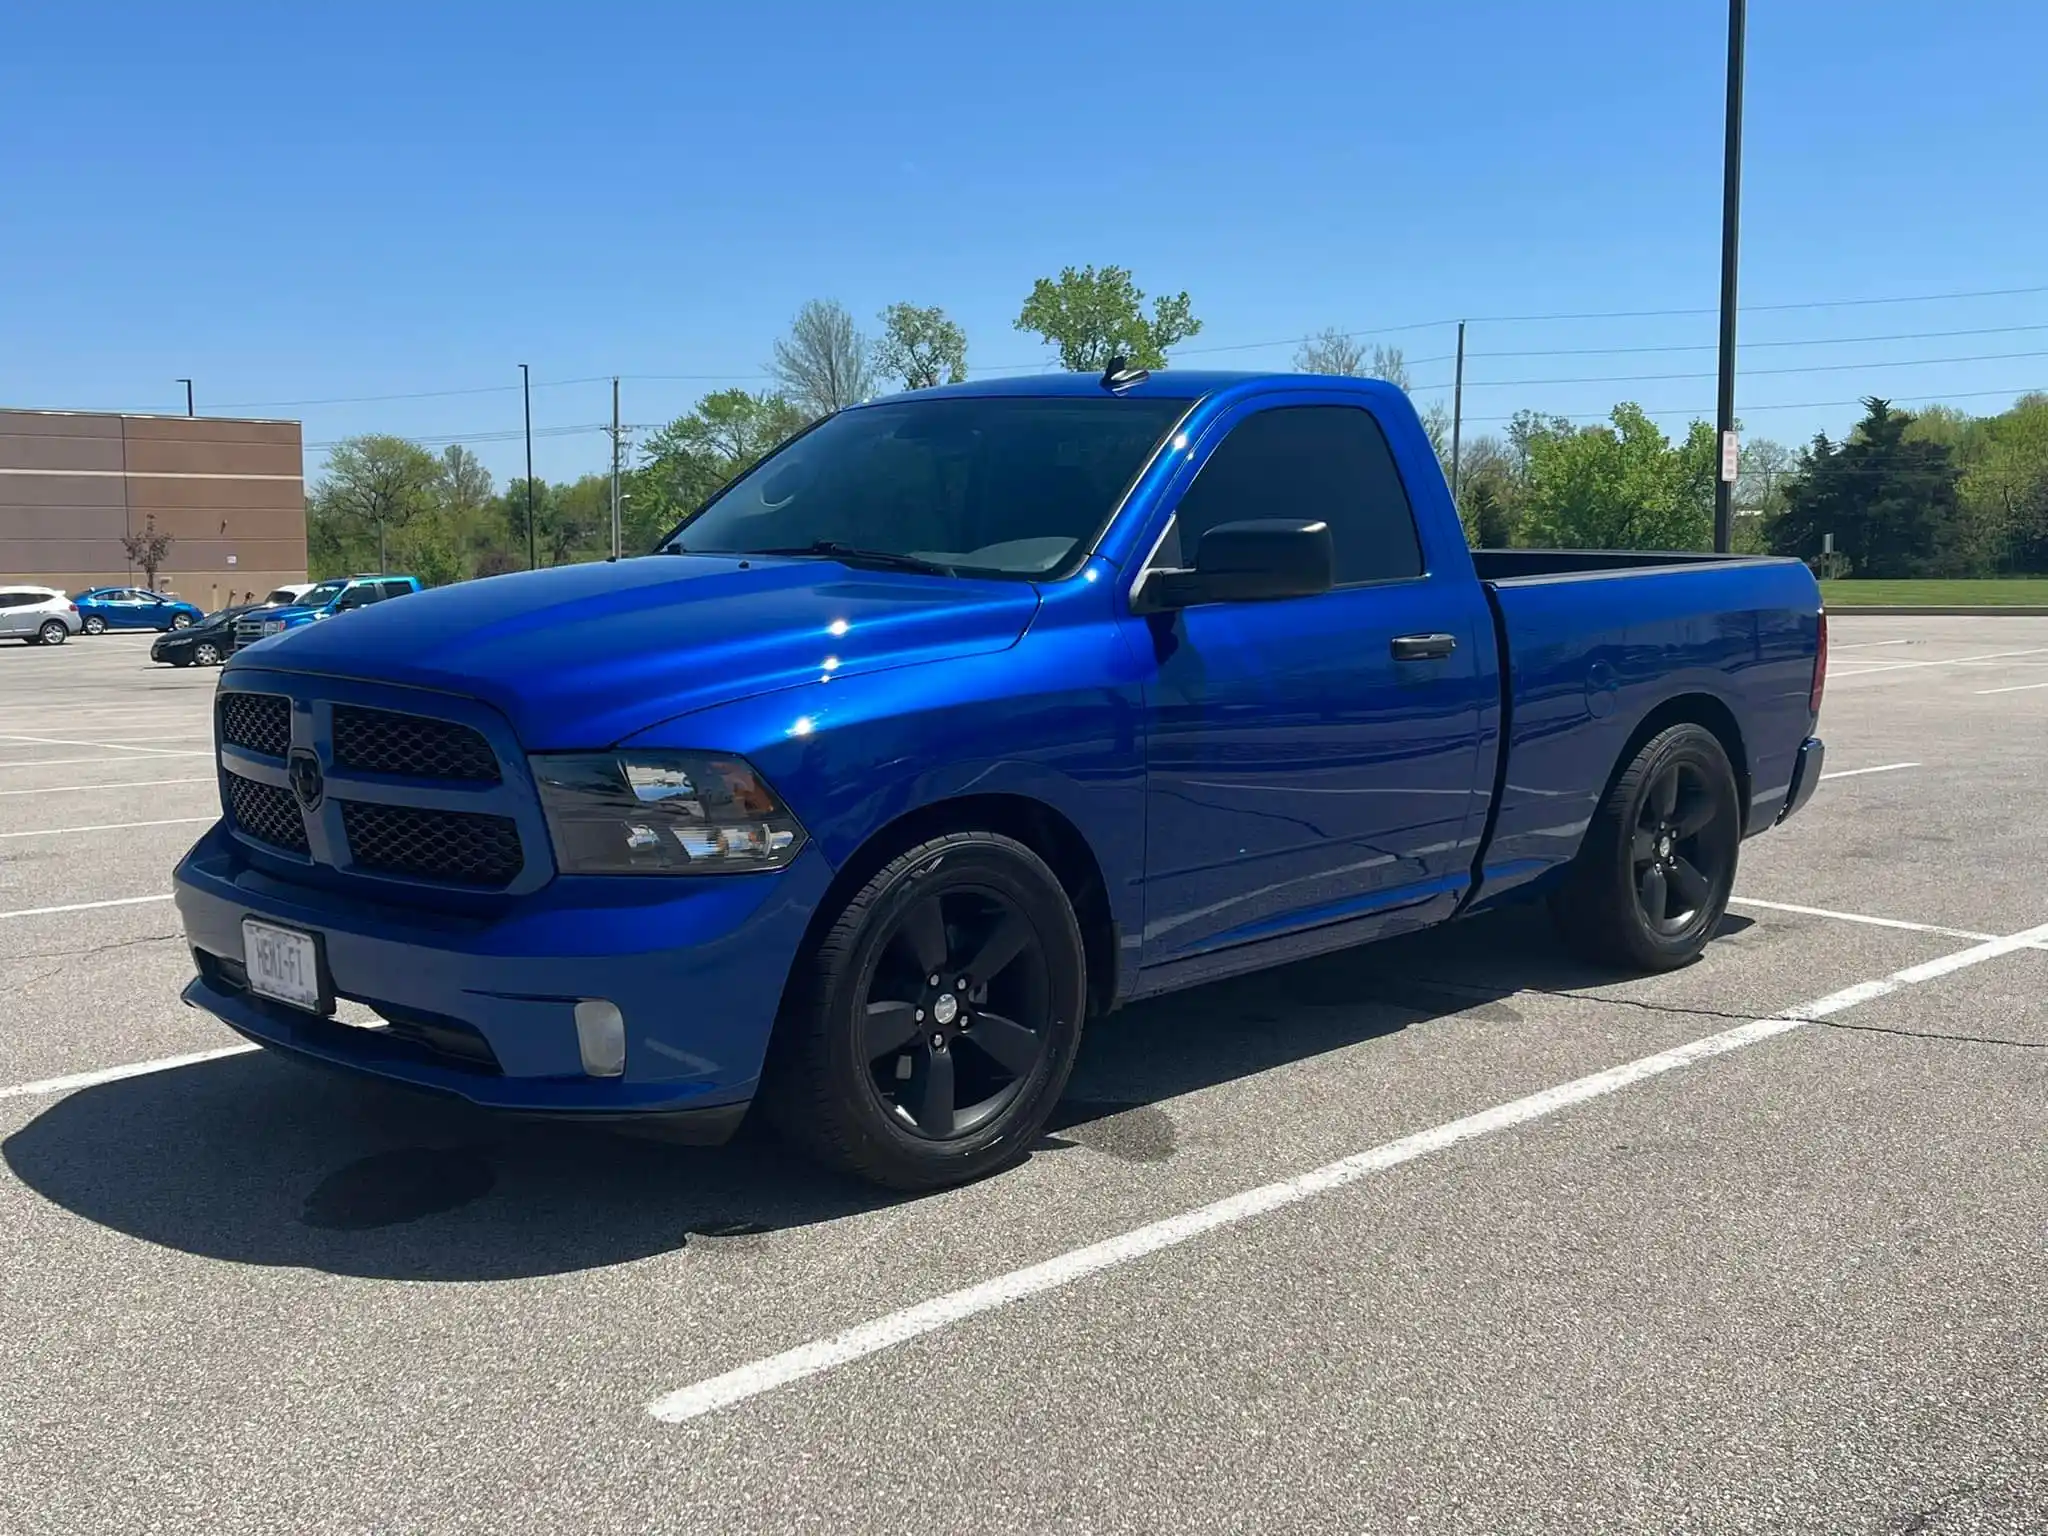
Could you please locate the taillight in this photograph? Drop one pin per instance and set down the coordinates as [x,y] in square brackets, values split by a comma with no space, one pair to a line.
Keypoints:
[1820,667]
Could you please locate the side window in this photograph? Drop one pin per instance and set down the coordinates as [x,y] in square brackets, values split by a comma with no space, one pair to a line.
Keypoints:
[15,600]
[1309,461]
[396,588]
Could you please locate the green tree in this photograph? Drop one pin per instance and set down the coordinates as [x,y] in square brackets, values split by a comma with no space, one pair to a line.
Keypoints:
[1889,501]
[1621,486]
[372,485]
[687,461]
[921,347]
[576,521]
[823,363]
[1092,316]
[1486,519]
[1331,351]
[2004,488]
[513,508]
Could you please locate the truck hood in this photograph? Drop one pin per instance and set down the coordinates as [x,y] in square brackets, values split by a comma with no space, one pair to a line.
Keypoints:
[587,655]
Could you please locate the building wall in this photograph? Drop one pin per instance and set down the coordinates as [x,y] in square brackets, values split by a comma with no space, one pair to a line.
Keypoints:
[72,484]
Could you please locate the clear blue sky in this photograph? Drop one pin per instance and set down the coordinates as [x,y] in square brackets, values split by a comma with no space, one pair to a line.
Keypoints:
[296,203]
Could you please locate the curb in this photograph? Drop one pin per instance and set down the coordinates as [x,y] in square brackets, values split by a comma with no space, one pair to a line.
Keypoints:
[2015,610]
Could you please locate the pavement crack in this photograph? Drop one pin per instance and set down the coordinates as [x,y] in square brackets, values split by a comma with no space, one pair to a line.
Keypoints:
[89,949]
[1935,1034]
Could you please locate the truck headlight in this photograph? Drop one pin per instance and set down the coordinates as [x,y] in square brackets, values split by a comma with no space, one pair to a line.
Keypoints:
[662,813]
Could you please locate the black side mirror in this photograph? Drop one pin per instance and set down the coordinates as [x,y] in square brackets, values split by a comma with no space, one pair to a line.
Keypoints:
[1248,562]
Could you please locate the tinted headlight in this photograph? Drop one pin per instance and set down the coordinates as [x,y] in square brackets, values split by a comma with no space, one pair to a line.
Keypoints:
[662,813]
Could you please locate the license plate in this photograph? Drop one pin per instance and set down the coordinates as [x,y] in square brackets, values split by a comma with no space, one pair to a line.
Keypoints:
[284,964]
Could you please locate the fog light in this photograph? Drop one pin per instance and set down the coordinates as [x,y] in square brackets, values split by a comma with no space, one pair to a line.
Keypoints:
[601,1037]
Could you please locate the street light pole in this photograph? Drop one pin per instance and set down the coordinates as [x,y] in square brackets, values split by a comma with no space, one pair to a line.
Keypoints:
[526,395]
[188,395]
[1731,208]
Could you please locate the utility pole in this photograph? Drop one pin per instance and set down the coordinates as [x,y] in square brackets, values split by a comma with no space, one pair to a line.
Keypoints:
[1457,411]
[1731,205]
[615,469]
[188,395]
[526,395]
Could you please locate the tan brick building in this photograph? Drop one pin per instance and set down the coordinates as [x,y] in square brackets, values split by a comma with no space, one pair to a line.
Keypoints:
[231,495]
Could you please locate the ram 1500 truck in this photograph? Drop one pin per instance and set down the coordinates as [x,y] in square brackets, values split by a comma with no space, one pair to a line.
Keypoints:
[964,717]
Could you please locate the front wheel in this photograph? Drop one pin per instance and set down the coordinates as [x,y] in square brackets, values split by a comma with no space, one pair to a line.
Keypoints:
[1652,880]
[930,1034]
[52,632]
[207,654]
[95,625]
[181,621]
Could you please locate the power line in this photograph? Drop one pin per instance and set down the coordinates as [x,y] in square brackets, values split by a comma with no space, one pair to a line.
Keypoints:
[1748,373]
[1782,405]
[1750,346]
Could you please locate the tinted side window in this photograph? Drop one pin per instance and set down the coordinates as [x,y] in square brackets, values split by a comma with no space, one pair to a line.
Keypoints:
[1311,461]
[396,588]
[15,600]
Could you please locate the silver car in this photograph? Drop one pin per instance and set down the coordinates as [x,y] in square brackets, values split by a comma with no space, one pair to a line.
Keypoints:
[37,615]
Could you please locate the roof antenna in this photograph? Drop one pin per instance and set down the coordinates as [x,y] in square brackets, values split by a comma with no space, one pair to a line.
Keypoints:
[1119,375]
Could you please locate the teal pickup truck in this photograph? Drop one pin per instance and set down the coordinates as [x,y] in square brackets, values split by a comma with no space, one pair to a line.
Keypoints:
[323,602]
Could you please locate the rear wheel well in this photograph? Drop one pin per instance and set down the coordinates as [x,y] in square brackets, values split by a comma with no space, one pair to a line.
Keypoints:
[1701,709]
[1031,822]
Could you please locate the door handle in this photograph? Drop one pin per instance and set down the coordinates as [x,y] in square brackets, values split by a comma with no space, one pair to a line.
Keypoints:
[1422,647]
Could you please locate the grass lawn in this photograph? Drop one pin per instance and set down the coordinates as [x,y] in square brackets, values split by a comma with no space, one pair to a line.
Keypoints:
[1987,594]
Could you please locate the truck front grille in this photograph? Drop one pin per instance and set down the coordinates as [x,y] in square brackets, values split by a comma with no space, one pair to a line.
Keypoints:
[385,741]
[267,813]
[454,847]
[257,722]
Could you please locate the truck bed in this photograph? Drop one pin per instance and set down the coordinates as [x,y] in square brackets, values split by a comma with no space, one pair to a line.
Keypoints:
[1591,641]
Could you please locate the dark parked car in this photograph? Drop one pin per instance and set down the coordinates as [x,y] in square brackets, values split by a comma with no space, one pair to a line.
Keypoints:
[205,644]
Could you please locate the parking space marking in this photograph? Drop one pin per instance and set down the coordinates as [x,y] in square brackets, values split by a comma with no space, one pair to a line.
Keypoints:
[2015,688]
[1864,645]
[1860,917]
[72,789]
[110,746]
[856,1343]
[1852,773]
[110,826]
[67,762]
[1952,661]
[85,906]
[78,1080]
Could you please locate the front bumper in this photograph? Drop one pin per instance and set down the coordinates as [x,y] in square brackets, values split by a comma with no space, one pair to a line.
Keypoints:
[482,1005]
[1806,771]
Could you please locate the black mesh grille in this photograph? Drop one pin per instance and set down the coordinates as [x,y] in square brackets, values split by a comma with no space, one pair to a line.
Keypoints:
[384,741]
[267,813]
[257,722]
[459,847]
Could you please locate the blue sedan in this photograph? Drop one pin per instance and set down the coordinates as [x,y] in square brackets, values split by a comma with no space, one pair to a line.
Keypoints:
[105,608]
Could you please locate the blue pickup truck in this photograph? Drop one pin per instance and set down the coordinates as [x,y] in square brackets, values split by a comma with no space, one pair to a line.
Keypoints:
[344,594]
[966,716]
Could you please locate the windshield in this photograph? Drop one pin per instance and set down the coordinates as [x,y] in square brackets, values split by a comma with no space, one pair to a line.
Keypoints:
[279,598]
[1010,486]
[323,594]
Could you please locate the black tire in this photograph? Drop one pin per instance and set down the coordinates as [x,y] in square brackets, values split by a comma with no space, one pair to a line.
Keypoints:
[1664,841]
[52,632]
[95,625]
[181,621]
[870,1112]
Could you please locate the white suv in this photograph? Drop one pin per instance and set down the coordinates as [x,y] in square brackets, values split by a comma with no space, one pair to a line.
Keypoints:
[37,615]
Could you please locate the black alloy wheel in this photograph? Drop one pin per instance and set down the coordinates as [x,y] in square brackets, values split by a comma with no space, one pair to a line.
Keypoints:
[1653,876]
[928,1036]
[957,1014]
[95,625]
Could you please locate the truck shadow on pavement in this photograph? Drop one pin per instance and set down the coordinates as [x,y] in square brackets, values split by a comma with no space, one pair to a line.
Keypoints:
[255,1160]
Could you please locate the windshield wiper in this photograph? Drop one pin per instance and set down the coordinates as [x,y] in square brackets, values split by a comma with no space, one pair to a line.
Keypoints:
[853,554]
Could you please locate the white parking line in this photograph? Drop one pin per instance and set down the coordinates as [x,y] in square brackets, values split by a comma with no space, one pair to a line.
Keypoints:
[85,906]
[2015,688]
[72,789]
[66,762]
[110,826]
[1851,773]
[1859,917]
[870,1338]
[78,1080]
[1864,645]
[110,746]
[1952,661]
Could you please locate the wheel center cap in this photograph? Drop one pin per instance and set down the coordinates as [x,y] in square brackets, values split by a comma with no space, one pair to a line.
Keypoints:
[1664,847]
[946,1009]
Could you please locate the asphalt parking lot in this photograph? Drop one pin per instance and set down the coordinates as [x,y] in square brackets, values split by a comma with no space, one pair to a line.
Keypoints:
[1445,1235]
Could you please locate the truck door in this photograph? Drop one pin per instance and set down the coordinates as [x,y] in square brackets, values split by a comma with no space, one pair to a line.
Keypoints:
[1313,759]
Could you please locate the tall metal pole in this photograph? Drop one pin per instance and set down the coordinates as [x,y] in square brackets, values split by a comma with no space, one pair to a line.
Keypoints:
[615,469]
[1731,207]
[188,395]
[1457,411]
[526,393]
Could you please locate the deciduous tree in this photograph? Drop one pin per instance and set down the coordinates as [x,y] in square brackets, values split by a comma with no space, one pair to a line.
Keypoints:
[921,347]
[1093,315]
[823,363]
[372,484]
